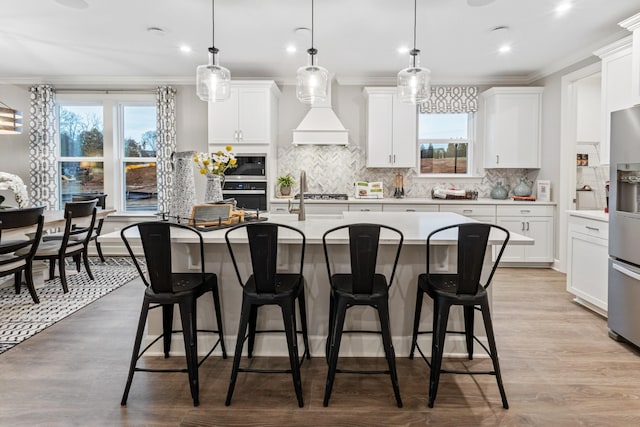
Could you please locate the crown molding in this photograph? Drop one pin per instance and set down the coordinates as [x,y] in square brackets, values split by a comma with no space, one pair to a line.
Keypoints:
[632,23]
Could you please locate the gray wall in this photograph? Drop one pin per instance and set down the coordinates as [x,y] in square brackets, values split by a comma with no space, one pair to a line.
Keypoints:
[14,149]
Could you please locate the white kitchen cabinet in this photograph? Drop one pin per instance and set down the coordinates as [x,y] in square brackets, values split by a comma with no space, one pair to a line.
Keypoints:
[536,222]
[249,116]
[616,87]
[282,207]
[482,213]
[588,257]
[409,208]
[391,129]
[365,207]
[512,127]
[633,24]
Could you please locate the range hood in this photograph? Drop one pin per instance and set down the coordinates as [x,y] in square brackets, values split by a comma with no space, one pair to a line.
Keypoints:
[321,126]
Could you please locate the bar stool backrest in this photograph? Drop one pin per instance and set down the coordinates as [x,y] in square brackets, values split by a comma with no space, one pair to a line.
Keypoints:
[364,240]
[473,241]
[156,244]
[263,248]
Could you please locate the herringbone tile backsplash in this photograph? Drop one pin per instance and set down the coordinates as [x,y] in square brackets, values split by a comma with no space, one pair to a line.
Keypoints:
[334,169]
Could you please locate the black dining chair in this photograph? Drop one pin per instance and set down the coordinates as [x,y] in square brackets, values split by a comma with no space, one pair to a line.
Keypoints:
[361,286]
[101,202]
[166,288]
[16,255]
[80,219]
[265,286]
[466,287]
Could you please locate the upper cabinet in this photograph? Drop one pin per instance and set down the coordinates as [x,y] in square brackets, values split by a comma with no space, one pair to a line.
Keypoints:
[249,116]
[391,129]
[512,127]
[633,24]
[616,87]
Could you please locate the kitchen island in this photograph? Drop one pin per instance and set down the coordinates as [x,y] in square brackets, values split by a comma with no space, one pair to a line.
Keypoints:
[414,225]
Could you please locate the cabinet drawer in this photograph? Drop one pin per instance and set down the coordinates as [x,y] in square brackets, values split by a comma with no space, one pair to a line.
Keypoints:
[589,227]
[524,210]
[325,208]
[279,208]
[470,210]
[365,207]
[409,208]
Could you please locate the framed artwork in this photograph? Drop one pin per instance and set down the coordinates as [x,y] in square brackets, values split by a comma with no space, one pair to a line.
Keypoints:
[543,193]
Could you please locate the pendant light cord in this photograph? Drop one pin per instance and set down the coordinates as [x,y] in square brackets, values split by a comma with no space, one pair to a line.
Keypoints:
[415,20]
[213,49]
[311,24]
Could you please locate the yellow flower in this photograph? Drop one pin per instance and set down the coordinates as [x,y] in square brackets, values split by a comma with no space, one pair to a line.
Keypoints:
[232,162]
[219,153]
[205,162]
[203,171]
[228,148]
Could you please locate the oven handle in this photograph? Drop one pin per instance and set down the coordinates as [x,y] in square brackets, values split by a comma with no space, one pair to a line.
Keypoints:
[244,192]
[626,271]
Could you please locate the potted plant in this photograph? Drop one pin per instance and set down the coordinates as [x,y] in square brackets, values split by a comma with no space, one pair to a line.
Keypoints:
[285,182]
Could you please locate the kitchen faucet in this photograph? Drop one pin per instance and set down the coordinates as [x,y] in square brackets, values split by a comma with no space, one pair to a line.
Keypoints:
[303,188]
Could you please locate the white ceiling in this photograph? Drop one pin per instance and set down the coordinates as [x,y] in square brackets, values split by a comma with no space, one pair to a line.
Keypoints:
[44,40]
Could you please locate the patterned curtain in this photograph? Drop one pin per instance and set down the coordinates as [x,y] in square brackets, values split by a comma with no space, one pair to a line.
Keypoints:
[166,117]
[42,147]
[451,99]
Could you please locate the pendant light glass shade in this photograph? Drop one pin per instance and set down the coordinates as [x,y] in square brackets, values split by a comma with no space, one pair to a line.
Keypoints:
[10,121]
[213,82]
[312,80]
[414,83]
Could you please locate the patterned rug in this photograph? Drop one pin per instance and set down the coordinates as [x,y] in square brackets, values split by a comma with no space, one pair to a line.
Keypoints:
[21,319]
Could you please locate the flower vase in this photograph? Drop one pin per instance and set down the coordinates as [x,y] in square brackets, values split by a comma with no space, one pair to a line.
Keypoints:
[184,192]
[213,192]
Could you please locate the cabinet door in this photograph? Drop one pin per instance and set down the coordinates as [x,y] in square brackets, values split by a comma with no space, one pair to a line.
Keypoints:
[410,208]
[253,116]
[512,130]
[588,268]
[405,147]
[379,130]
[365,207]
[223,120]
[517,225]
[541,230]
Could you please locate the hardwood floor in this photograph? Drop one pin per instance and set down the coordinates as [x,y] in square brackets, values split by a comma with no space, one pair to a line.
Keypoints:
[558,364]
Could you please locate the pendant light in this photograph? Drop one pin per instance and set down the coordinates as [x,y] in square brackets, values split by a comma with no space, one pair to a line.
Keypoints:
[312,80]
[414,83]
[213,82]
[10,120]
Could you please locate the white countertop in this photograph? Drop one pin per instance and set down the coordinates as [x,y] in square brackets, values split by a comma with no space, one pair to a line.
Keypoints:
[598,215]
[418,200]
[415,227]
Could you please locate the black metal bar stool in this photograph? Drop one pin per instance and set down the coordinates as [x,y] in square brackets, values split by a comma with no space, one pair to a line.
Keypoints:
[460,288]
[362,286]
[265,286]
[165,289]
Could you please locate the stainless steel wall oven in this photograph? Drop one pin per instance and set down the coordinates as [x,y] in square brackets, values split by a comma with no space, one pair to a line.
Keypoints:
[247,183]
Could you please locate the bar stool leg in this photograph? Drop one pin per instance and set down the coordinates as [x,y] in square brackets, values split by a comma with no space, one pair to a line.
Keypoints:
[441,316]
[167,328]
[336,336]
[469,314]
[416,321]
[242,329]
[136,349]
[253,319]
[332,316]
[303,319]
[289,317]
[189,333]
[390,354]
[216,304]
[488,325]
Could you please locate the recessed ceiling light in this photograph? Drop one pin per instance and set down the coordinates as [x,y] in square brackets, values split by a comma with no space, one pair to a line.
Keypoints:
[403,50]
[505,48]
[291,49]
[184,48]
[73,4]
[563,8]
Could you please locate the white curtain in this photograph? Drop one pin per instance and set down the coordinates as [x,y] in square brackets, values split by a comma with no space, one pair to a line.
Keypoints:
[451,99]
[43,182]
[166,117]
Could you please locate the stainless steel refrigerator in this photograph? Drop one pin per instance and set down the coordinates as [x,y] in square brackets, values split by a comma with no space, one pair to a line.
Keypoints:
[624,226]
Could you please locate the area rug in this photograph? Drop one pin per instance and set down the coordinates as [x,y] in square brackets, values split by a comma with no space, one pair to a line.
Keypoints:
[21,319]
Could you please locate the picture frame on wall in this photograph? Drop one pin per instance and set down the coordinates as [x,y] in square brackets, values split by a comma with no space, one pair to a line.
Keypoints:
[543,190]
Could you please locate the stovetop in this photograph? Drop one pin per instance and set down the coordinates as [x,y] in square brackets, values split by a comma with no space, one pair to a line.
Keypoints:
[323,196]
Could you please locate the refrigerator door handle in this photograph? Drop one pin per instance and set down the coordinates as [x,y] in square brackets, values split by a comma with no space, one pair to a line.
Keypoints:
[626,271]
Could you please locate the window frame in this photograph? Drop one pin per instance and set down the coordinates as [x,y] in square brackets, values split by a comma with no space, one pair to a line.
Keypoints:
[471,142]
[113,139]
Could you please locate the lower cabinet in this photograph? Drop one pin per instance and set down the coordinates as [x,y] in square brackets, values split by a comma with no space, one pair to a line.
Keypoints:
[409,208]
[536,222]
[365,207]
[482,213]
[587,257]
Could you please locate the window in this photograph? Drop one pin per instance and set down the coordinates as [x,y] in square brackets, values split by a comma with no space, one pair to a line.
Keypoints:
[444,143]
[108,145]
